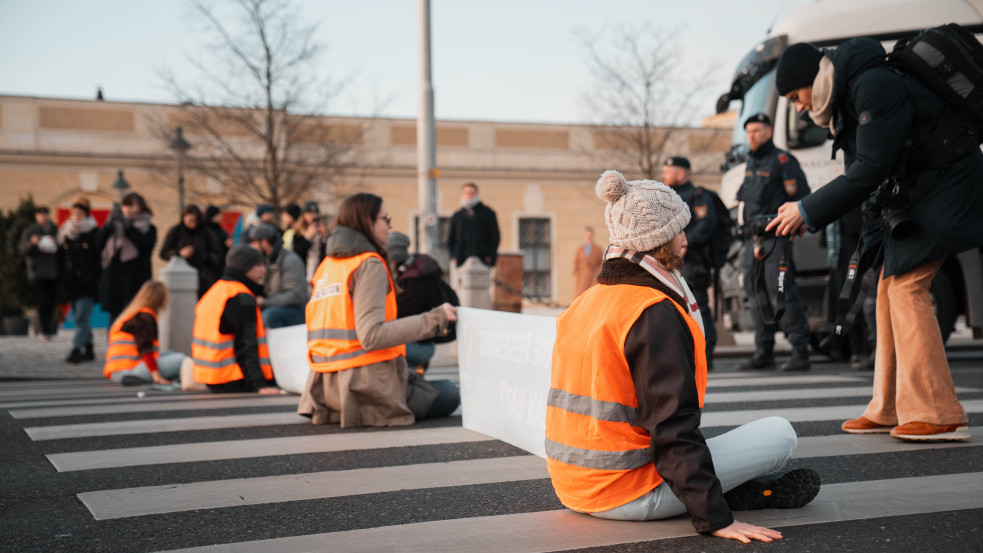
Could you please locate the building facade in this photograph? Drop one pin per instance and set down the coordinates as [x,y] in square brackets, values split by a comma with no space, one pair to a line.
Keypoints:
[539,178]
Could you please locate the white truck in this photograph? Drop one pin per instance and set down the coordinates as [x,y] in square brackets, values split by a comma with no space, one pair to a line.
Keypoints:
[958,288]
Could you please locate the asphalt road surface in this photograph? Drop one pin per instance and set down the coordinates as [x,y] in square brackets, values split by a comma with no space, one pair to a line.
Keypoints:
[89,466]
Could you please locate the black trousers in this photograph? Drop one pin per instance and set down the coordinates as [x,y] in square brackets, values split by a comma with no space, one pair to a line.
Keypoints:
[46,292]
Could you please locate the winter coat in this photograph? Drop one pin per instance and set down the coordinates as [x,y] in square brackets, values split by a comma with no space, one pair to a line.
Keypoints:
[80,264]
[286,282]
[122,279]
[378,394]
[585,267]
[40,265]
[474,232]
[207,257]
[700,232]
[874,113]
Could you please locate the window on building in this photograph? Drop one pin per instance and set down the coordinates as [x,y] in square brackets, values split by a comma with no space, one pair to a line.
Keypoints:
[534,243]
[443,253]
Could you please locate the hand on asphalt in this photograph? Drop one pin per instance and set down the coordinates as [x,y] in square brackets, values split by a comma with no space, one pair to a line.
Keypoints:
[745,532]
[269,390]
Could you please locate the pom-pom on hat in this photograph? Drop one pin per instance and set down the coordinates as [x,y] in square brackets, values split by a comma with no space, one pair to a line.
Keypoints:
[642,214]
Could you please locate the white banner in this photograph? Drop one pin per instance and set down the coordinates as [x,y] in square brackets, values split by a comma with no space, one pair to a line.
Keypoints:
[504,363]
[288,356]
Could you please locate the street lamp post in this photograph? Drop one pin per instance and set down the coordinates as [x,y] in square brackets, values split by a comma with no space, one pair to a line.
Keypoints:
[181,146]
[120,184]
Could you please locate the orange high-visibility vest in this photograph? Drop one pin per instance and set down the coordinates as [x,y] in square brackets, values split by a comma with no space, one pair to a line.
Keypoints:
[213,351]
[122,354]
[597,455]
[332,344]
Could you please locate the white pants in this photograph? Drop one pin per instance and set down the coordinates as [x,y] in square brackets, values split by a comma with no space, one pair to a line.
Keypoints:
[747,452]
[168,364]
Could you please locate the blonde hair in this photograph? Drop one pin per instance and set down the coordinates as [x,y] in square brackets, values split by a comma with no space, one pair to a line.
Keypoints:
[152,295]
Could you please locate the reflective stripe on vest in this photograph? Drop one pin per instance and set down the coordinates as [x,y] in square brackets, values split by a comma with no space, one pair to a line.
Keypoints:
[332,343]
[598,455]
[214,352]
[122,353]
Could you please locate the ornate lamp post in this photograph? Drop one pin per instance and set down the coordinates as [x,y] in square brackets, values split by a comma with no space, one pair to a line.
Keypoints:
[181,146]
[120,184]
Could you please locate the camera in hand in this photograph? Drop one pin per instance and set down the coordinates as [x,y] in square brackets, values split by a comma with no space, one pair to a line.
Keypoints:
[759,223]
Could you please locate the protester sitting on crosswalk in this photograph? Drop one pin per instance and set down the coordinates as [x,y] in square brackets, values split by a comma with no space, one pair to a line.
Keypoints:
[229,344]
[629,376]
[133,357]
[355,345]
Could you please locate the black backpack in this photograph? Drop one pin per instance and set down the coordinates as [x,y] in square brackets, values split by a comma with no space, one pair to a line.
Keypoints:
[948,60]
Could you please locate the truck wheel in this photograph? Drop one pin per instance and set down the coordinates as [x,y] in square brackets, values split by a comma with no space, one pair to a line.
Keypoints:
[944,302]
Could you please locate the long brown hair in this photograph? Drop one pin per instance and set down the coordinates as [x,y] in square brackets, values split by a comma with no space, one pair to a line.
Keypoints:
[359,212]
[152,295]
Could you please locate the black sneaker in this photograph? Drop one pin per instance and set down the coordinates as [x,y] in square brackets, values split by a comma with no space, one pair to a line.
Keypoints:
[798,362]
[75,357]
[791,490]
[762,360]
[88,354]
[130,380]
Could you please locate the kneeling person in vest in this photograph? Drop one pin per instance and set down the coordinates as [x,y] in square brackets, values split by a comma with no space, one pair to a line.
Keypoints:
[628,381]
[133,357]
[229,345]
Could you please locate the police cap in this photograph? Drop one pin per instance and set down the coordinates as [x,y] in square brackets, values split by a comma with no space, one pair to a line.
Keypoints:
[678,161]
[758,118]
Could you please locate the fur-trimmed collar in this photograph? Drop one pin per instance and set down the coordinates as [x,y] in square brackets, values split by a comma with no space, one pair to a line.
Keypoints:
[622,271]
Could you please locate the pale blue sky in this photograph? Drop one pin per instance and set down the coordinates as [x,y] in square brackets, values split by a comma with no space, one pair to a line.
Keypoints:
[498,60]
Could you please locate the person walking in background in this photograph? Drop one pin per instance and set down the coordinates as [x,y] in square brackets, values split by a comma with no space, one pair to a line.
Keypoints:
[474,229]
[213,222]
[191,240]
[586,263]
[229,339]
[285,287]
[698,263]
[126,241]
[355,345]
[419,288]
[80,270]
[133,357]
[288,220]
[39,246]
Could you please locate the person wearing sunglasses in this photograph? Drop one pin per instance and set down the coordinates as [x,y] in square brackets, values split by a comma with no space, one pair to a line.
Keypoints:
[355,346]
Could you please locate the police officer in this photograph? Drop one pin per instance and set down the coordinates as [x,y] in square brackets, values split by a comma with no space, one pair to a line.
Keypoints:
[772,178]
[698,264]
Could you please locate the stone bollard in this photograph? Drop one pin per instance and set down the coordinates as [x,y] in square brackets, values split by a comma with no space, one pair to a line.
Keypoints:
[473,284]
[508,271]
[177,321]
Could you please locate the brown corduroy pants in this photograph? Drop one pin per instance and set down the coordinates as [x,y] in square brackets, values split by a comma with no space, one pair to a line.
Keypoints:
[911,374]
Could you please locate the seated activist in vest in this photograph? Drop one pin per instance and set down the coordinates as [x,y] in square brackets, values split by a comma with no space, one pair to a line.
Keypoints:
[628,380]
[355,344]
[133,357]
[229,343]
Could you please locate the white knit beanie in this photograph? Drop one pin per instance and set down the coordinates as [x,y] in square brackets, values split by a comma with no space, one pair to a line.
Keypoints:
[641,214]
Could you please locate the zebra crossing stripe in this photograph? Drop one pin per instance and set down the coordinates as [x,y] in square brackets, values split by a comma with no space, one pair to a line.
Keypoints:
[118,428]
[148,407]
[808,379]
[807,393]
[245,449]
[802,414]
[153,396]
[297,487]
[274,489]
[563,529]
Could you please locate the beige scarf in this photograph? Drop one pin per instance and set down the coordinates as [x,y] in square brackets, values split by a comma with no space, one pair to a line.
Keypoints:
[822,95]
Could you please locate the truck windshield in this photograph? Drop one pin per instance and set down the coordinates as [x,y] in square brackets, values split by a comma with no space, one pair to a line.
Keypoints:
[760,98]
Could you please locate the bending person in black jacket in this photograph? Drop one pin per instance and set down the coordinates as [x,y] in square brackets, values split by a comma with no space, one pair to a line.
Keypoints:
[884,122]
[628,379]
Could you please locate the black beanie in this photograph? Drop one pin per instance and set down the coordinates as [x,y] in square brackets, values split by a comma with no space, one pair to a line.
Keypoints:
[211,211]
[797,67]
[243,258]
[293,210]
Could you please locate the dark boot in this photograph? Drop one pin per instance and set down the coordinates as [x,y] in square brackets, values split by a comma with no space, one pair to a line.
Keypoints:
[88,355]
[75,357]
[791,490]
[763,360]
[798,362]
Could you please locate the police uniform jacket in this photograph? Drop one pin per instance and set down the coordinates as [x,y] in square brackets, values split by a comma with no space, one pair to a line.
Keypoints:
[874,112]
[699,233]
[771,178]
